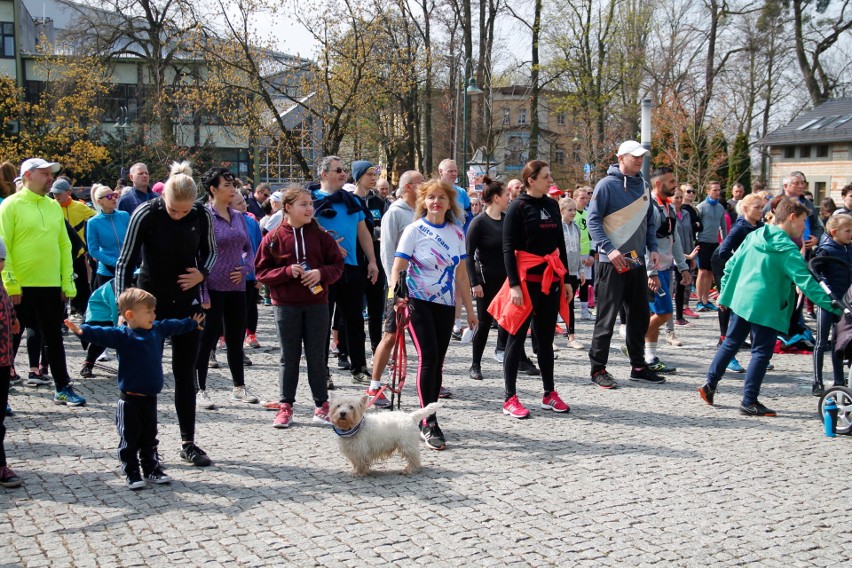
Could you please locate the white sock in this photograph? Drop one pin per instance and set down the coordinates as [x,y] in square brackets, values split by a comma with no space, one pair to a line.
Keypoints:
[375,385]
[457,325]
[650,351]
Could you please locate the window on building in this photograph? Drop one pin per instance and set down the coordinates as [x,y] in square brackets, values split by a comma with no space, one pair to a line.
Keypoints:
[235,159]
[120,95]
[522,116]
[7,29]
[805,151]
[560,157]
[789,152]
[822,150]
[819,191]
[560,119]
[507,117]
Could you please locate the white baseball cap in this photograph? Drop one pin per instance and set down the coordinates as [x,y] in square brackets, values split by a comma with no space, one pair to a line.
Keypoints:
[631,147]
[277,197]
[38,164]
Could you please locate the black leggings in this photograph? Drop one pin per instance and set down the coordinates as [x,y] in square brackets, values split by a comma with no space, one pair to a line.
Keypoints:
[681,294]
[94,351]
[42,309]
[574,281]
[543,321]
[252,296]
[347,295]
[430,326]
[230,307]
[184,355]
[376,295]
[36,349]
[489,290]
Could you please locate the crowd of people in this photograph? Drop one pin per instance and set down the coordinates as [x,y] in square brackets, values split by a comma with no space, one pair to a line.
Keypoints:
[189,263]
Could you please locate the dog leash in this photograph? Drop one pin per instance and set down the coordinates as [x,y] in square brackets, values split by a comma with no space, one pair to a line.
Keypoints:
[399,355]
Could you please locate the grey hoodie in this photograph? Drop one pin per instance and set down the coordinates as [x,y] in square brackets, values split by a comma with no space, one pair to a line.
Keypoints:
[399,215]
[620,215]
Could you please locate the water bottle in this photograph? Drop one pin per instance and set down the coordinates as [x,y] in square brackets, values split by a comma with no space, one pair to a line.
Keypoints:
[316,288]
[829,417]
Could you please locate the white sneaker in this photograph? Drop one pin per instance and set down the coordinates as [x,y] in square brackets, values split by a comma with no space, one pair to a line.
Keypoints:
[673,340]
[105,356]
[574,344]
[203,400]
[243,394]
[585,315]
[499,356]
[622,331]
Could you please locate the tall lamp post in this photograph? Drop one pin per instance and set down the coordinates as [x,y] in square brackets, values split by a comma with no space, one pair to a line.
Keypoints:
[122,123]
[470,90]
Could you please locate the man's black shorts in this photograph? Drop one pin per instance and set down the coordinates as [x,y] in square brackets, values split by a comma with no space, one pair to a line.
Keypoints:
[705,253]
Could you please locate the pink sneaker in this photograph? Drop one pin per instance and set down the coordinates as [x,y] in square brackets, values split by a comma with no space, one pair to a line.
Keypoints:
[514,408]
[321,414]
[554,403]
[688,312]
[284,417]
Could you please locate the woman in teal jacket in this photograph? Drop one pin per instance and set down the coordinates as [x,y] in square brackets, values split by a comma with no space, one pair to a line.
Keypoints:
[105,233]
[759,287]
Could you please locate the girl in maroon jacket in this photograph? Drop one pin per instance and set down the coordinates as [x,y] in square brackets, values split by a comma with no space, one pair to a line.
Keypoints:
[299,261]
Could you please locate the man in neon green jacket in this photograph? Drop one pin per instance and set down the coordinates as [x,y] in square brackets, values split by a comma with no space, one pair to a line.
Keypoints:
[759,287]
[38,275]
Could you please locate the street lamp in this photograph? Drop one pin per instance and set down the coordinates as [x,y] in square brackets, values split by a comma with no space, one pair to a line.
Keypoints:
[122,123]
[470,90]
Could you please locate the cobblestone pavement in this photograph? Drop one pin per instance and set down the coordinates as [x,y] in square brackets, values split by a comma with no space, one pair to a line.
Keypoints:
[637,476]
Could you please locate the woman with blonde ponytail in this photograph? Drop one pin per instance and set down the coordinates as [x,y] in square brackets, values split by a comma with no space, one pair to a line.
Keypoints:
[171,239]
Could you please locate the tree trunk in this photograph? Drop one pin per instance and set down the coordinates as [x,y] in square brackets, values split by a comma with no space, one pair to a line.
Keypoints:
[534,79]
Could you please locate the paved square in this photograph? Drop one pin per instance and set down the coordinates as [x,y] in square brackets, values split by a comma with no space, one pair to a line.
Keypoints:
[637,476]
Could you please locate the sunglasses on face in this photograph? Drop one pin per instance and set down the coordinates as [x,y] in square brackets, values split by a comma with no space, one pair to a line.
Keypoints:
[690,192]
[110,196]
[339,170]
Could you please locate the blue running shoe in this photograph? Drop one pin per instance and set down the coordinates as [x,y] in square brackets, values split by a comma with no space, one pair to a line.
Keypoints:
[710,307]
[735,367]
[69,397]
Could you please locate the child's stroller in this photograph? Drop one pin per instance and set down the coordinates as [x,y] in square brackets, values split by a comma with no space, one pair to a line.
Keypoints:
[842,396]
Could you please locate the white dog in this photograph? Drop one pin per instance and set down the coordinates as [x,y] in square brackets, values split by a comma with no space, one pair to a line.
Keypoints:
[366,438]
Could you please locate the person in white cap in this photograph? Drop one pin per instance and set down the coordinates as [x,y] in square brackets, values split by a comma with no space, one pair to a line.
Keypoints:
[39,273]
[621,223]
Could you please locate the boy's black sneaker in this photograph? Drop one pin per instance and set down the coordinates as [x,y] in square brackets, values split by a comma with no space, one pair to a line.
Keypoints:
[157,475]
[432,435]
[817,389]
[756,409]
[646,375]
[707,393]
[343,363]
[528,367]
[194,455]
[604,380]
[133,480]
[475,373]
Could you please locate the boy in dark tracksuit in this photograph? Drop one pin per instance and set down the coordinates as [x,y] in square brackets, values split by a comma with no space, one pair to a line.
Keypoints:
[835,243]
[139,346]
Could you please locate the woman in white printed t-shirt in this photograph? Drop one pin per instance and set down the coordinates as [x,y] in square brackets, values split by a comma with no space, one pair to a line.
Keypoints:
[432,251]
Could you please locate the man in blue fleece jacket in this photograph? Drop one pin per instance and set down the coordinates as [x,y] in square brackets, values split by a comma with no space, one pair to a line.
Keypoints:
[621,224]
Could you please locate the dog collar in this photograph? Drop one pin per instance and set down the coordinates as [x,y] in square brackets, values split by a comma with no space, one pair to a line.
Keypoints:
[347,433]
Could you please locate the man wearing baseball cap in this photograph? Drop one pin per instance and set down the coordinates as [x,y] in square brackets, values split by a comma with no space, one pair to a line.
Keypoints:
[39,275]
[621,224]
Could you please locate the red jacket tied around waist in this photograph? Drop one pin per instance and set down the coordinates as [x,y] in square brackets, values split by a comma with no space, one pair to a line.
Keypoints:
[509,316]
